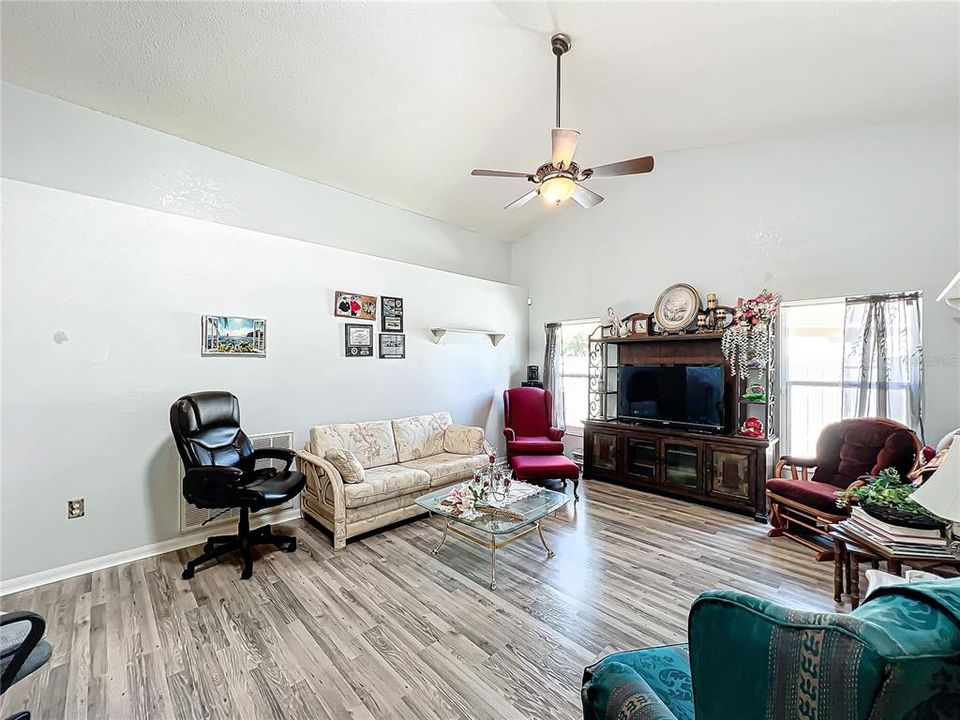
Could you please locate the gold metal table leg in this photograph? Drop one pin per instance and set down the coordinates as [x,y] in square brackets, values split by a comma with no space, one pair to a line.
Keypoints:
[493,561]
[543,540]
[436,550]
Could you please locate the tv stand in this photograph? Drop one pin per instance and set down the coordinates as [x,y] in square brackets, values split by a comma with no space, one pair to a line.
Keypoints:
[725,469]
[722,470]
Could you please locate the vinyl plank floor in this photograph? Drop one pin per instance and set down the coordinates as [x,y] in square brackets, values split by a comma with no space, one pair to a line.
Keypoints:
[385,629]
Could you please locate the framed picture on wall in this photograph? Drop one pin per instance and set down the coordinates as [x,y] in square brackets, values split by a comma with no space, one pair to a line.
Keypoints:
[358,340]
[393,345]
[391,314]
[355,306]
[237,336]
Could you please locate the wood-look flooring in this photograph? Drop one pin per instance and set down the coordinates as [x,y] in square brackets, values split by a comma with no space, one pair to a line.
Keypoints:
[384,629]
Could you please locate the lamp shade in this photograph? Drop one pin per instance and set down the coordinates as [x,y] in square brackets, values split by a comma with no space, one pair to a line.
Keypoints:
[940,494]
[557,189]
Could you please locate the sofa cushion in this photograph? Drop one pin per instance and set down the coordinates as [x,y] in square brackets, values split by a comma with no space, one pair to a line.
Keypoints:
[346,463]
[534,445]
[816,495]
[371,442]
[385,482]
[463,440]
[421,435]
[446,468]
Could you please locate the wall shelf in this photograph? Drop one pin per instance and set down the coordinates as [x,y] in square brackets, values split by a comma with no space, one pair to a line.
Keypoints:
[495,337]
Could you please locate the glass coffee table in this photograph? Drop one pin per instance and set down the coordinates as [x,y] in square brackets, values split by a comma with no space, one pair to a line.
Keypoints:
[501,531]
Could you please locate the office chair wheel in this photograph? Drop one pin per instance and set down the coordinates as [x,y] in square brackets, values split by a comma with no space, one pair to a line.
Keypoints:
[291,546]
[187,574]
[247,573]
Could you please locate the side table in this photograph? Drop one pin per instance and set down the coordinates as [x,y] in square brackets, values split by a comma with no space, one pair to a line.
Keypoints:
[849,551]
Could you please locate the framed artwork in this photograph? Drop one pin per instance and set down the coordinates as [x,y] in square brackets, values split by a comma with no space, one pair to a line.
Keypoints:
[677,307]
[391,314]
[355,306]
[226,335]
[393,345]
[358,340]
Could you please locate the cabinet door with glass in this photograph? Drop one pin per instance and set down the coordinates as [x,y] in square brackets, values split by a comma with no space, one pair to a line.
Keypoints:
[681,465]
[642,459]
[728,473]
[603,448]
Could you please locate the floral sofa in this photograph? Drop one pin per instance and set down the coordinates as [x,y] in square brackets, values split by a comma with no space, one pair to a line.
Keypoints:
[401,460]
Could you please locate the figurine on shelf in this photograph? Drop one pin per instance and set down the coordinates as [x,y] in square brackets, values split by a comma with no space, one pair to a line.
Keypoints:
[710,321]
[752,427]
[617,328]
[755,393]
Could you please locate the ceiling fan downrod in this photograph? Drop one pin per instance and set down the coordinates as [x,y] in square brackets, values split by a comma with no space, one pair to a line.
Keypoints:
[560,44]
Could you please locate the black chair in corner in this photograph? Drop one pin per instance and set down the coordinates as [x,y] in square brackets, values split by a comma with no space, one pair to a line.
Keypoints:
[219,461]
[23,650]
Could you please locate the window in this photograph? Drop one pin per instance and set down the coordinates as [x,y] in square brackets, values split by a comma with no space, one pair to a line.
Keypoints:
[829,349]
[575,348]
[812,368]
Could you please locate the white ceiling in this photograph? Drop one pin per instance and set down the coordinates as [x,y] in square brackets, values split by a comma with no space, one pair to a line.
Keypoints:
[399,101]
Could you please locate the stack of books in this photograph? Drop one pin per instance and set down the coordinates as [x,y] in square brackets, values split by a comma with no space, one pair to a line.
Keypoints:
[896,539]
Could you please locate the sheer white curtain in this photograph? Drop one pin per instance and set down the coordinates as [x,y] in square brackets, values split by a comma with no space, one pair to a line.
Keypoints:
[553,372]
[883,359]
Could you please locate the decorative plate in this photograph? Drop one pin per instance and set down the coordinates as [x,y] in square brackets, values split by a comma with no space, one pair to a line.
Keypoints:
[677,307]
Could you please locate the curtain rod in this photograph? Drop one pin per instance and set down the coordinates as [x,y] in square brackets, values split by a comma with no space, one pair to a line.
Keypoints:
[912,295]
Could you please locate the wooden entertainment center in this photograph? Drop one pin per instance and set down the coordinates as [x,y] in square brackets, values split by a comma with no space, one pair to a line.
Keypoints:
[722,469]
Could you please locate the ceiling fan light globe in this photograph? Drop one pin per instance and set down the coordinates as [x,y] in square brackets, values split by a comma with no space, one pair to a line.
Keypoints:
[557,189]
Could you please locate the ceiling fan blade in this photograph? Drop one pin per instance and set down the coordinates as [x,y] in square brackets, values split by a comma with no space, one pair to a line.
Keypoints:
[500,173]
[523,199]
[564,146]
[624,167]
[586,197]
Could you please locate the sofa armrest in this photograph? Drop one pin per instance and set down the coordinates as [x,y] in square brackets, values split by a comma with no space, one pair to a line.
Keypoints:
[805,465]
[509,434]
[752,654]
[554,433]
[322,475]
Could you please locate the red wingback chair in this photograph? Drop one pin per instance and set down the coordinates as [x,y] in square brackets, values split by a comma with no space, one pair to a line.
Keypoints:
[527,414]
[803,504]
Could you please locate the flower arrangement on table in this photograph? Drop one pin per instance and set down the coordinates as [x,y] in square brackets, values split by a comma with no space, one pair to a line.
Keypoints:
[473,497]
[746,342]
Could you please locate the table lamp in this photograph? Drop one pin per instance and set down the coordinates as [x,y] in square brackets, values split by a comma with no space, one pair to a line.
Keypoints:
[940,494]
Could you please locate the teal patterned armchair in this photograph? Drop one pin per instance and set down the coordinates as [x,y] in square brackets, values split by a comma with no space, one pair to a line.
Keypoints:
[897,657]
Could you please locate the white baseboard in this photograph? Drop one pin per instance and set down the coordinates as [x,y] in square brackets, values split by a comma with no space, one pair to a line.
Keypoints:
[26,582]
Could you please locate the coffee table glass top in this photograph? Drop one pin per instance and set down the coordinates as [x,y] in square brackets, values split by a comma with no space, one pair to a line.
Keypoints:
[532,507]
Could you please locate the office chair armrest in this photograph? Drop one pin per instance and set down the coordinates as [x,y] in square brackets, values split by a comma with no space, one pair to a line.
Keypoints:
[37,627]
[276,454]
[219,473]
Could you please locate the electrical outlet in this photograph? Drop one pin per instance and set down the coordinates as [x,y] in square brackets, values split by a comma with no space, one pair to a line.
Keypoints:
[74,509]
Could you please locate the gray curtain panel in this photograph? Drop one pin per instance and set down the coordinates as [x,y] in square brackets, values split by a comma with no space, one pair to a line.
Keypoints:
[883,359]
[553,372]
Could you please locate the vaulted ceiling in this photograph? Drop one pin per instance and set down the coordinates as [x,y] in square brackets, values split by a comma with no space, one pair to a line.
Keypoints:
[398,101]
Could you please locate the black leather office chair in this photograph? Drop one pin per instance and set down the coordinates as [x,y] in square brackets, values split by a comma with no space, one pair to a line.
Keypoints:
[220,473]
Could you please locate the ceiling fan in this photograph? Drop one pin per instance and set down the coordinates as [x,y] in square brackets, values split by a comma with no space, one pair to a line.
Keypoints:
[561,178]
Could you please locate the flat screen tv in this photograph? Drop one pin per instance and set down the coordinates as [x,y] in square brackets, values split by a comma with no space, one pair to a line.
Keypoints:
[686,396]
